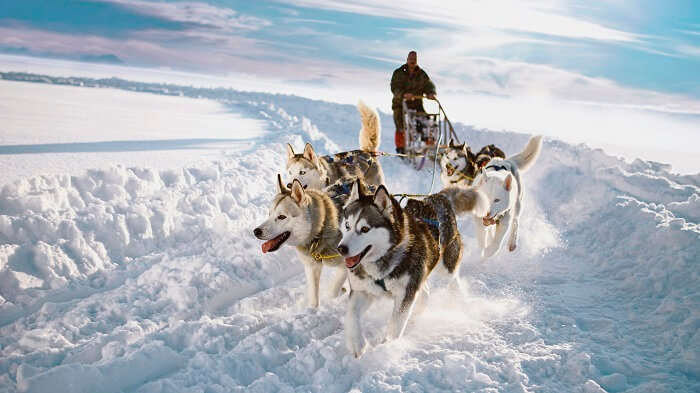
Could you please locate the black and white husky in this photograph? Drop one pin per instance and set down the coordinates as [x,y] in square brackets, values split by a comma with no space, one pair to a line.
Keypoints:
[317,172]
[390,251]
[500,181]
[460,166]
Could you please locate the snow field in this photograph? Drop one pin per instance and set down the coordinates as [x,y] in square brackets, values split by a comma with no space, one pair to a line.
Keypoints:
[149,280]
[58,130]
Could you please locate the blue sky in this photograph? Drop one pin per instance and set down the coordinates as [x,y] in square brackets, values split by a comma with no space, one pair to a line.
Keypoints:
[649,44]
[614,55]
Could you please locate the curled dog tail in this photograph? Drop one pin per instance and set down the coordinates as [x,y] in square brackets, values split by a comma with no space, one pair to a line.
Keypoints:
[528,156]
[467,200]
[371,132]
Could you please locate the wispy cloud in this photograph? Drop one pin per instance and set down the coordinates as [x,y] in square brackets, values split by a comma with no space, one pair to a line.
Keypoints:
[316,21]
[198,13]
[543,17]
[689,50]
[689,32]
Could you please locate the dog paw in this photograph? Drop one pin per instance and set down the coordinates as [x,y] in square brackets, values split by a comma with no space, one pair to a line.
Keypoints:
[311,305]
[312,301]
[357,347]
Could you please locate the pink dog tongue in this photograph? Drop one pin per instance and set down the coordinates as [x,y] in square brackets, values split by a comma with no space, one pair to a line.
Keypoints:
[352,261]
[267,245]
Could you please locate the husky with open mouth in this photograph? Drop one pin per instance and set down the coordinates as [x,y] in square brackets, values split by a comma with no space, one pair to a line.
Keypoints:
[500,181]
[317,172]
[460,166]
[307,220]
[390,251]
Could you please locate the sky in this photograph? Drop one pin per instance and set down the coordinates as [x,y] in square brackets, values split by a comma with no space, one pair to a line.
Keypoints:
[609,72]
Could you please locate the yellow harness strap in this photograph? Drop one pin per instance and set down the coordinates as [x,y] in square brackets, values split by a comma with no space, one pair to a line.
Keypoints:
[317,256]
[461,175]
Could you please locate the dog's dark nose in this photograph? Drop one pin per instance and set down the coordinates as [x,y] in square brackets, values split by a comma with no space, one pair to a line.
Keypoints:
[343,250]
[257,232]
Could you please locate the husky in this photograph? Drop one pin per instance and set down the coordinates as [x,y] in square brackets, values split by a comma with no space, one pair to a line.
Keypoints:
[389,251]
[308,220]
[318,172]
[460,166]
[500,181]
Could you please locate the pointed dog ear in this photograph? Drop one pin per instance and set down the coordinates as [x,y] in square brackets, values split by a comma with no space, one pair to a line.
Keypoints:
[508,182]
[290,152]
[310,155]
[452,143]
[465,147]
[280,186]
[354,192]
[383,201]
[298,193]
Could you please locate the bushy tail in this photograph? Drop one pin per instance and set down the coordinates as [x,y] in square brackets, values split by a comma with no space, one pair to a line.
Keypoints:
[528,156]
[371,132]
[467,200]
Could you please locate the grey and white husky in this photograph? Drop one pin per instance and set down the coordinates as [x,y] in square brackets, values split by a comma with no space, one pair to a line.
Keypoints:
[501,182]
[317,172]
[390,251]
[308,220]
[460,166]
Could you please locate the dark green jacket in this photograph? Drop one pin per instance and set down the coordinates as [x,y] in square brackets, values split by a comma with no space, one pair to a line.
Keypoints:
[402,82]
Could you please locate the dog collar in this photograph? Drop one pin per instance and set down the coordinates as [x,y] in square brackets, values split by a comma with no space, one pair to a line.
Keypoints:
[496,167]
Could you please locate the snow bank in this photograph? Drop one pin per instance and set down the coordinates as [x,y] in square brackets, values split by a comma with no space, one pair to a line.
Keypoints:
[67,230]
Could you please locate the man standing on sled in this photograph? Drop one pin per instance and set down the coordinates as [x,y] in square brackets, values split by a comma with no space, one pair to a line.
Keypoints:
[407,81]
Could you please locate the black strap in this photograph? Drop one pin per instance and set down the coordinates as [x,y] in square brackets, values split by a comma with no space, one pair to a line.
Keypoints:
[497,167]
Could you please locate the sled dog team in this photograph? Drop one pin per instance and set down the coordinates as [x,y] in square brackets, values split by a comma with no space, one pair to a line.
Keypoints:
[337,212]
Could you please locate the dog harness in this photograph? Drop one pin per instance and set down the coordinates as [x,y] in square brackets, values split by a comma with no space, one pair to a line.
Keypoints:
[350,158]
[496,167]
[461,175]
[318,256]
[431,222]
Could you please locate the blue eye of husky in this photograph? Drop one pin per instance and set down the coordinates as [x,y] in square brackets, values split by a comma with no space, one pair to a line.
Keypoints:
[281,217]
[364,229]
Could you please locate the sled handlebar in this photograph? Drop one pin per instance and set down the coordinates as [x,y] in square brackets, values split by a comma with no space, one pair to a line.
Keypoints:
[419,97]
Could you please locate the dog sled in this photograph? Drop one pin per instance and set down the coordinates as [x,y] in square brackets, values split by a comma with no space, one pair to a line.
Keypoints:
[425,132]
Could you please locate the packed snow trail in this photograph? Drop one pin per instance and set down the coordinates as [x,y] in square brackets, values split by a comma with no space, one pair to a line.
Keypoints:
[133,279]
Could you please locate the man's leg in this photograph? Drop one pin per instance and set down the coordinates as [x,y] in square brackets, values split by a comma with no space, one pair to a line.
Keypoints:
[399,134]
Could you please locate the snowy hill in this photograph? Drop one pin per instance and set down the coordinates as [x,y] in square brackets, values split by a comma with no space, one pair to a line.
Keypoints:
[143,280]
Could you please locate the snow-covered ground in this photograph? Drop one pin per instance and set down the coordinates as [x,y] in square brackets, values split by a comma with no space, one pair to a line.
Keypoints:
[146,277]
[49,129]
